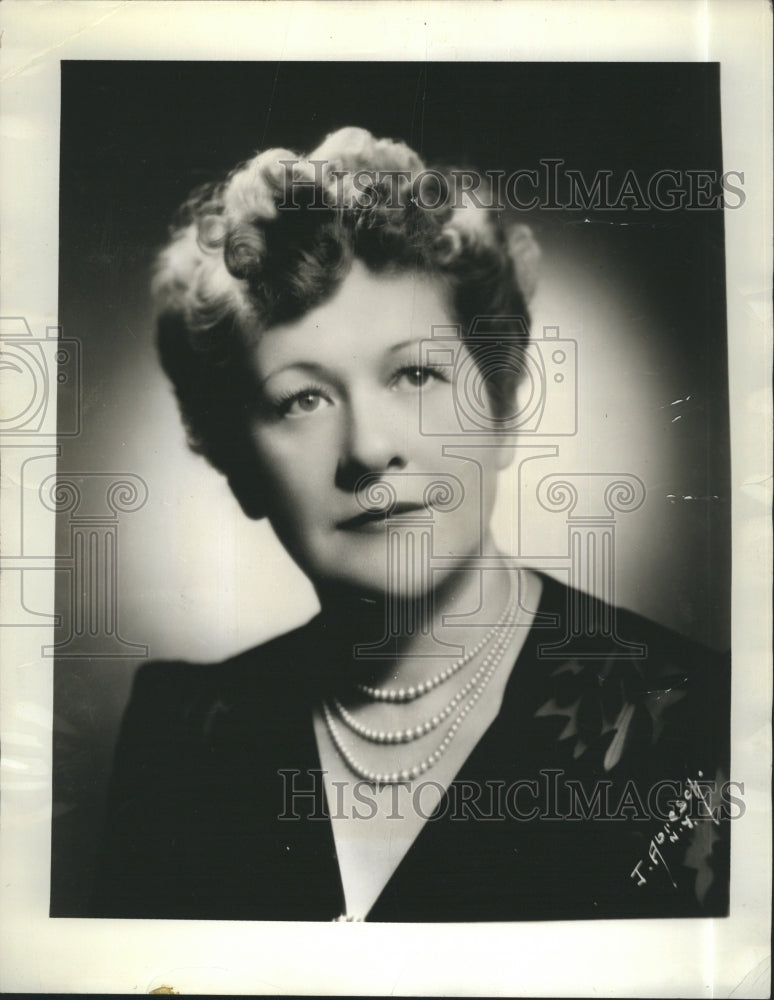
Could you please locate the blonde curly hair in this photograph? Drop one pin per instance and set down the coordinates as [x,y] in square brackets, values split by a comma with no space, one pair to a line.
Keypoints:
[279,235]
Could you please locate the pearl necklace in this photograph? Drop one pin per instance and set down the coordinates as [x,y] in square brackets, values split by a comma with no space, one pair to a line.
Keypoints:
[488,669]
[423,728]
[424,687]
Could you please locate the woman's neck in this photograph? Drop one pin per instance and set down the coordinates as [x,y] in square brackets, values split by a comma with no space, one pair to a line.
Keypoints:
[401,640]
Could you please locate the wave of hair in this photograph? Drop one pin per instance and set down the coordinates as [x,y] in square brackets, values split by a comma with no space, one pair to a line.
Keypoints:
[278,236]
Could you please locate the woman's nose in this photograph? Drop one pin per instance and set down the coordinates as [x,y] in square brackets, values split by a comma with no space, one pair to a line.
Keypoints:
[373,441]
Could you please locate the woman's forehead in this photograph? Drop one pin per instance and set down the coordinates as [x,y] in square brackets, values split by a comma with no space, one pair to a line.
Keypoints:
[369,314]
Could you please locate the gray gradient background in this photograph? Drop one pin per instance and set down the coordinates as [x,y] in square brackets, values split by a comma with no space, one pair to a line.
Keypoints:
[642,293]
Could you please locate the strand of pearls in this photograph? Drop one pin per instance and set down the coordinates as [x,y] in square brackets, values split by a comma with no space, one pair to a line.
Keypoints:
[424,687]
[489,667]
[422,728]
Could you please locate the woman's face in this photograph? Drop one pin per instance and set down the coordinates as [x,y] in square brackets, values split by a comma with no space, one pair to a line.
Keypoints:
[350,417]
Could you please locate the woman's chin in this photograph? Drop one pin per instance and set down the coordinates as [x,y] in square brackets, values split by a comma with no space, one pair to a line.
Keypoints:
[372,584]
[374,589]
[408,577]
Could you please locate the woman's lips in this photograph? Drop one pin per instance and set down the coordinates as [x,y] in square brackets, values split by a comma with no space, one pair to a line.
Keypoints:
[376,520]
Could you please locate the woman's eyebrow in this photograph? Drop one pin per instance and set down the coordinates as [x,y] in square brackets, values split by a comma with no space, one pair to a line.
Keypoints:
[306,367]
[323,371]
[414,342]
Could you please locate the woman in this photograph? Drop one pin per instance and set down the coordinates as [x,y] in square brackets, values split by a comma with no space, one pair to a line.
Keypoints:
[434,745]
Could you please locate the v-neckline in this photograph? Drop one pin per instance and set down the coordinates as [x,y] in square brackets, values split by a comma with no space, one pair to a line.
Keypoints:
[470,767]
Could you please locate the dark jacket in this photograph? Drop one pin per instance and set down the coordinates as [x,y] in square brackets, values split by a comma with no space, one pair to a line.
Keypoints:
[217,807]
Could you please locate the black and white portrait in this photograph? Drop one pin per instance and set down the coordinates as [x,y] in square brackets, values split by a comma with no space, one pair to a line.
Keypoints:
[348,308]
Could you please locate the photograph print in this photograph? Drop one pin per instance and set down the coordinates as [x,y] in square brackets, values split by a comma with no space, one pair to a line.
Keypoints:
[393,570]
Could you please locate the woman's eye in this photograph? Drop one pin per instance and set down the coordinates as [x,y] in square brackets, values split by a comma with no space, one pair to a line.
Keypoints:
[302,403]
[417,376]
[307,403]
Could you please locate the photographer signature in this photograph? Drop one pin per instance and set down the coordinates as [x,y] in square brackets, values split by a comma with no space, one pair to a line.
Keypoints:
[674,829]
